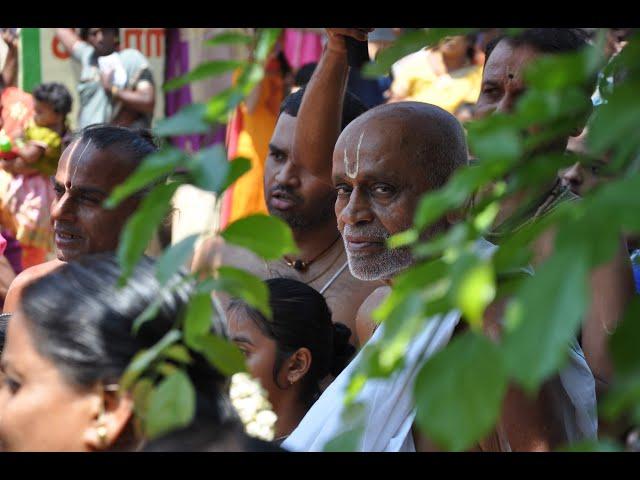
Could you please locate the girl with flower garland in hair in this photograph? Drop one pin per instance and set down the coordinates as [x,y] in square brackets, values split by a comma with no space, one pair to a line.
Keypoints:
[63,363]
[295,352]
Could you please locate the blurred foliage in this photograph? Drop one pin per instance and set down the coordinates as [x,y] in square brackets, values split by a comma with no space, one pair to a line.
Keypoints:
[459,390]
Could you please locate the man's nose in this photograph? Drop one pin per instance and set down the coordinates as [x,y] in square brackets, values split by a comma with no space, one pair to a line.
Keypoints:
[506,104]
[62,209]
[573,176]
[357,209]
[288,175]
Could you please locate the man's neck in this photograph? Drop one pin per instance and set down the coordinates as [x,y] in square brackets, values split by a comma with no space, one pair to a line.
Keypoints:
[311,242]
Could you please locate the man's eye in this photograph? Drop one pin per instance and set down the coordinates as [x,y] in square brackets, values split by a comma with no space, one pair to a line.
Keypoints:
[88,199]
[59,190]
[343,189]
[382,189]
[12,384]
[278,156]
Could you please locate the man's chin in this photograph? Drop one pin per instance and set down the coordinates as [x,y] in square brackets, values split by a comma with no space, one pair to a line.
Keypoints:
[67,254]
[379,267]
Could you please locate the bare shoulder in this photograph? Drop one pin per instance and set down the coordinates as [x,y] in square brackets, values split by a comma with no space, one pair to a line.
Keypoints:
[25,278]
[365,325]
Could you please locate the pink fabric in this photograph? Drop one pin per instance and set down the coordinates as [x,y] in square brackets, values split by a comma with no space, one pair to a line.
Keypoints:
[301,48]
[3,244]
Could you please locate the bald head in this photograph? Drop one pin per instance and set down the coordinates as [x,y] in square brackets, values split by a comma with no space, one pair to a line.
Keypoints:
[428,137]
[383,162]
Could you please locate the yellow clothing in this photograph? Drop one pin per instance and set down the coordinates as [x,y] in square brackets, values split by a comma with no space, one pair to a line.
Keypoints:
[415,80]
[253,143]
[51,142]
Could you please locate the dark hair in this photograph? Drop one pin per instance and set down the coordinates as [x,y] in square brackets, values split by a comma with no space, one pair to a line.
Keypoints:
[135,143]
[56,95]
[301,318]
[84,32]
[303,75]
[545,40]
[351,109]
[4,323]
[82,321]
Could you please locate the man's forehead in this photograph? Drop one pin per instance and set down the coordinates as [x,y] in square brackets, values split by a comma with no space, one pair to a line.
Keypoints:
[508,61]
[83,163]
[283,132]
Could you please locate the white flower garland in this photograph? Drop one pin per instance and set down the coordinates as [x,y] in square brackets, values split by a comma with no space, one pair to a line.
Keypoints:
[250,401]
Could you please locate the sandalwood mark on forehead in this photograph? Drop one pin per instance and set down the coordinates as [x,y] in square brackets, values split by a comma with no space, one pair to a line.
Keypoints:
[79,161]
[351,168]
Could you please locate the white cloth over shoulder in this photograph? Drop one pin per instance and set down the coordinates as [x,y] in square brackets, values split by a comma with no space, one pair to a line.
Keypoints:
[389,402]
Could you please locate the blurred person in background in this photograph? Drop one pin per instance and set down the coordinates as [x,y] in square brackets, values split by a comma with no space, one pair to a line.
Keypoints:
[445,75]
[116,86]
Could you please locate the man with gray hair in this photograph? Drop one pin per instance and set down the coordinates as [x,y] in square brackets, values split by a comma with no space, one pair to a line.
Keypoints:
[383,162]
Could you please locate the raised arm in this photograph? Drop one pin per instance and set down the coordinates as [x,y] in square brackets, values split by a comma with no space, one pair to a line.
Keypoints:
[612,288]
[68,38]
[9,77]
[142,99]
[319,118]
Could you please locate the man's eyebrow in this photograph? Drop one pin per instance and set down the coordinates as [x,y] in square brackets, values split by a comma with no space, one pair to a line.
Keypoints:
[276,149]
[491,82]
[241,339]
[82,189]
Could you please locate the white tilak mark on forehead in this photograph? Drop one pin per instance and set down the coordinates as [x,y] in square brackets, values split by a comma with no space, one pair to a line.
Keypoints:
[73,179]
[352,170]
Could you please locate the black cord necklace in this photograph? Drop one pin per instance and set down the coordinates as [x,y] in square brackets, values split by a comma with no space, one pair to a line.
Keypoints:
[302,266]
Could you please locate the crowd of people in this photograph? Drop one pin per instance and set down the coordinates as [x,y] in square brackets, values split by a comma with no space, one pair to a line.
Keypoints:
[346,161]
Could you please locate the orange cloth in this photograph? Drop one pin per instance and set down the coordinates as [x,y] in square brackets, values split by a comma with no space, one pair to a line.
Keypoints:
[248,136]
[16,108]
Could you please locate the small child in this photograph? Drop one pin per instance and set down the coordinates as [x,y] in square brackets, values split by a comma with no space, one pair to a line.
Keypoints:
[27,200]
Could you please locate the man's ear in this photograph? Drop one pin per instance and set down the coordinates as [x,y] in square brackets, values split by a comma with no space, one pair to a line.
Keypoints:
[298,364]
[113,412]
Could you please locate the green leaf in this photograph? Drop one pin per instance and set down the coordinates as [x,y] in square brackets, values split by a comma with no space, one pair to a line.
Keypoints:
[625,340]
[222,354]
[202,71]
[188,120]
[211,170]
[459,392]
[554,72]
[198,319]
[142,360]
[171,406]
[230,38]
[222,104]
[147,314]
[615,121]
[601,445]
[544,316]
[267,236]
[174,258]
[141,226]
[473,288]
[266,40]
[178,353]
[408,43]
[141,394]
[349,440]
[622,396]
[241,284]
[153,168]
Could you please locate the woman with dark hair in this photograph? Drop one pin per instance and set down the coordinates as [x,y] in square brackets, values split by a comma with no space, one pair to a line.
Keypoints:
[67,347]
[293,353]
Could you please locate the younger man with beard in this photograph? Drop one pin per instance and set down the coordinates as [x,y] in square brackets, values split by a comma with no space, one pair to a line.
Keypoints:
[306,203]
